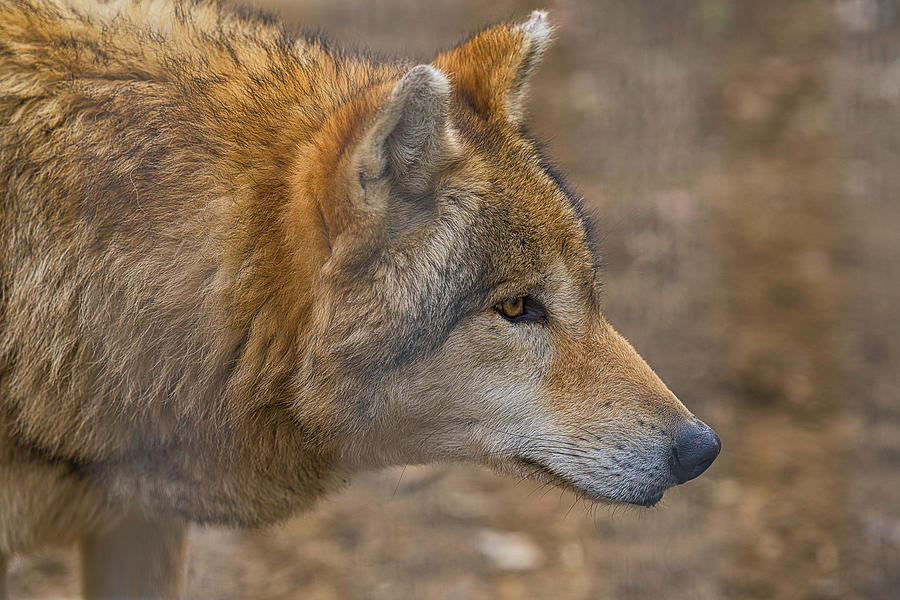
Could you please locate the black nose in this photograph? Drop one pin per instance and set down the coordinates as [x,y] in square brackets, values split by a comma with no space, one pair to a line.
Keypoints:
[696,446]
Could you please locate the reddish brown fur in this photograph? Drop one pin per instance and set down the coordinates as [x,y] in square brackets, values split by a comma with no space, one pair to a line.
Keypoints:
[238,267]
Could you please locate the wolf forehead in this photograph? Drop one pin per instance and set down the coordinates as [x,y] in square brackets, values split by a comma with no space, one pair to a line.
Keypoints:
[531,223]
[500,216]
[505,225]
[516,213]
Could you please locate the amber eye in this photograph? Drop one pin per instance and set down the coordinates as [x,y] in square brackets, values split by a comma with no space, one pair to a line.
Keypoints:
[512,308]
[522,309]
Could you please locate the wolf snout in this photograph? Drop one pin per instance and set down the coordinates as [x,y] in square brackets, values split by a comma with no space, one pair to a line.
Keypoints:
[696,446]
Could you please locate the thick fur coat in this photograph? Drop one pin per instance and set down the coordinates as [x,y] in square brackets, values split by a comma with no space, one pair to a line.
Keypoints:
[238,265]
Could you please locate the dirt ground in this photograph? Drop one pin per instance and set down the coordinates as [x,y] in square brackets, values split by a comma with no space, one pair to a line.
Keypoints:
[741,158]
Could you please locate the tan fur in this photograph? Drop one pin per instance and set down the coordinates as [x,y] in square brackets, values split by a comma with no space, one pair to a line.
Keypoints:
[238,267]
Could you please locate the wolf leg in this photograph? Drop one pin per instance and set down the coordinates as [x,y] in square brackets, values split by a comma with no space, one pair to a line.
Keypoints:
[3,595]
[138,557]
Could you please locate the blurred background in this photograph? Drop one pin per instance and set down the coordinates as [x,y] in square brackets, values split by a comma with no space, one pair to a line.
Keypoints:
[741,159]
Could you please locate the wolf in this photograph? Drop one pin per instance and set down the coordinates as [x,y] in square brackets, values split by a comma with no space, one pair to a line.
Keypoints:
[240,265]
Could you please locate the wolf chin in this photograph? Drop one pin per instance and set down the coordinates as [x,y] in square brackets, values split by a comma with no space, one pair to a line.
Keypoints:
[238,266]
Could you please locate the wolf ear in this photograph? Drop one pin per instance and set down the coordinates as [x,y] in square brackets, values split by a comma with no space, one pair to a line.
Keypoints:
[491,70]
[410,139]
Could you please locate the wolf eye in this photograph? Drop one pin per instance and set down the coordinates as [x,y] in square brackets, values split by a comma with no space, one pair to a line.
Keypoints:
[512,308]
[521,308]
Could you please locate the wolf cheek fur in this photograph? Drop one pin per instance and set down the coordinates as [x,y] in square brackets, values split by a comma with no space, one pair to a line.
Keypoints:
[239,266]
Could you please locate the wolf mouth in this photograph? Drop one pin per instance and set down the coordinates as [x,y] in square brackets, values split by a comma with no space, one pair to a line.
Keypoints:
[537,470]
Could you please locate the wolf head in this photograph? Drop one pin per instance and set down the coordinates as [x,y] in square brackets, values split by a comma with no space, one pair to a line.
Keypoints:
[458,316]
